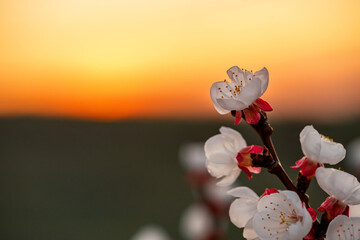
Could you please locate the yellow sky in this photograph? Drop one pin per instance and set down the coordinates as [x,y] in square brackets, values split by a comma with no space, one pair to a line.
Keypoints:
[111,59]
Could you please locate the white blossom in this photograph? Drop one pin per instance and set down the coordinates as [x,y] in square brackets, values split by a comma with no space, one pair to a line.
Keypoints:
[319,148]
[282,216]
[244,88]
[344,228]
[221,151]
[243,209]
[339,185]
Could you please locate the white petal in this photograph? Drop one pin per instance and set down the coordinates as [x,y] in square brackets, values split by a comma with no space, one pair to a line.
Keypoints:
[293,197]
[267,225]
[220,152]
[241,211]
[230,179]
[354,197]
[331,152]
[301,228]
[339,184]
[249,232]
[354,211]
[233,104]
[266,201]
[343,227]
[237,138]
[263,75]
[243,192]
[235,74]
[319,149]
[215,94]
[250,92]
[218,170]
[296,231]
[310,140]
[215,145]
[222,158]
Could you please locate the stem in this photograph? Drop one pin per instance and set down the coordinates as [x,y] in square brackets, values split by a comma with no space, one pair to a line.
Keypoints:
[303,182]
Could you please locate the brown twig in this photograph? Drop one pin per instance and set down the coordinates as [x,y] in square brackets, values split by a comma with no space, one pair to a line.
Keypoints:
[303,182]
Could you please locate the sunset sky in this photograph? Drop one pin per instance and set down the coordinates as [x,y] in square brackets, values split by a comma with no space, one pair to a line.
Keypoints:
[114,59]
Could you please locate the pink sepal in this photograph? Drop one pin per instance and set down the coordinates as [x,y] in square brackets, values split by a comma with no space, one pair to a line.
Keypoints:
[310,235]
[263,105]
[307,166]
[238,117]
[251,149]
[252,116]
[247,172]
[269,191]
[312,212]
[333,207]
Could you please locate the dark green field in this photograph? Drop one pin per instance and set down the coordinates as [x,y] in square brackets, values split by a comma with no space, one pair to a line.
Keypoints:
[73,180]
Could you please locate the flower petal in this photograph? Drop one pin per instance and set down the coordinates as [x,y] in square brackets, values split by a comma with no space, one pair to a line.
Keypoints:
[229,179]
[293,197]
[354,211]
[250,92]
[319,149]
[249,232]
[296,231]
[222,158]
[242,210]
[263,75]
[243,192]
[278,208]
[343,227]
[215,145]
[238,140]
[343,186]
[236,75]
[232,104]
[218,170]
[310,140]
[267,225]
[331,152]
[215,94]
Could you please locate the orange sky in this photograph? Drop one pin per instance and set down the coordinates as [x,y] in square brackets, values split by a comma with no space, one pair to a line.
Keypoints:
[115,59]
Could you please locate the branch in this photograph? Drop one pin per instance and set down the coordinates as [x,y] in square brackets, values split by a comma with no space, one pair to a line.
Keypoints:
[265,131]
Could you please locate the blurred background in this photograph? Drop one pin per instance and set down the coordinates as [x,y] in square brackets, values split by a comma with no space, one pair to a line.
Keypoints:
[97,97]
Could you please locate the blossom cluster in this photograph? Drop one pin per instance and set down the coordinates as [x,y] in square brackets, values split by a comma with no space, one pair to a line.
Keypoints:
[278,214]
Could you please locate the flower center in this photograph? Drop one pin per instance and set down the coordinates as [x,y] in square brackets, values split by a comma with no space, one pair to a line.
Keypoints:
[233,89]
[326,139]
[288,219]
